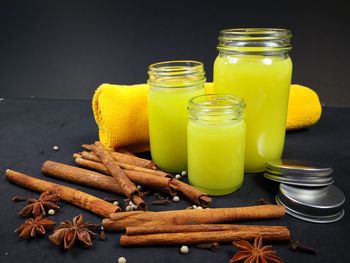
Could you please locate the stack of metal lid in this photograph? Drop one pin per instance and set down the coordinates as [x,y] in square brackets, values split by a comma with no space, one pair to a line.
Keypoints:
[307,190]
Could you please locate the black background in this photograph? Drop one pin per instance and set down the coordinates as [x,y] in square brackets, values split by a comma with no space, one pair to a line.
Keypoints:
[65,49]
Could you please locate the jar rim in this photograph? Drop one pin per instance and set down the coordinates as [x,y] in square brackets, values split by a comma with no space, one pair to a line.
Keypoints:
[218,98]
[258,31]
[176,66]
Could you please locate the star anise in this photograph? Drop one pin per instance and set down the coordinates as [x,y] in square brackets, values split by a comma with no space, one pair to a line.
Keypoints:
[68,232]
[33,227]
[256,253]
[47,200]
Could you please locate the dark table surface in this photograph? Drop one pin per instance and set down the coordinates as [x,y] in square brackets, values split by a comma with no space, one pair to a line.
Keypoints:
[30,128]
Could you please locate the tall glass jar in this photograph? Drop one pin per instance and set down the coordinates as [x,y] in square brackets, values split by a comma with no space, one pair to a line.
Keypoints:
[216,136]
[253,63]
[172,84]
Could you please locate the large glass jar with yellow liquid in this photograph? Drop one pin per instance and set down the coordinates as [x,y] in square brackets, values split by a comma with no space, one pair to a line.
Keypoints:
[253,63]
[216,136]
[172,84]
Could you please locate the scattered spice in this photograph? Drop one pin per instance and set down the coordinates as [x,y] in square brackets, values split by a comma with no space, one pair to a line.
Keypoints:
[68,232]
[103,235]
[33,227]
[122,260]
[210,246]
[262,201]
[297,247]
[51,212]
[126,201]
[55,148]
[158,196]
[18,198]
[184,249]
[176,199]
[248,253]
[47,200]
[128,208]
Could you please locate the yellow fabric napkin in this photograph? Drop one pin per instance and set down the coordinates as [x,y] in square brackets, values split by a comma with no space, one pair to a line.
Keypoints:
[120,112]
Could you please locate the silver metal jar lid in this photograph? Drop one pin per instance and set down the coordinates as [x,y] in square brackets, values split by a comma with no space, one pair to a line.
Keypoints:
[310,181]
[318,205]
[298,167]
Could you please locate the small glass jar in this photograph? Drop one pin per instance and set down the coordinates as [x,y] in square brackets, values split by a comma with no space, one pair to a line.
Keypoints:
[253,63]
[216,138]
[172,84]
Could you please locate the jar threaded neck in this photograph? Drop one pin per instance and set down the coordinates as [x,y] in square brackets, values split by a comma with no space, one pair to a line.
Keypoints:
[253,41]
[178,73]
[216,108]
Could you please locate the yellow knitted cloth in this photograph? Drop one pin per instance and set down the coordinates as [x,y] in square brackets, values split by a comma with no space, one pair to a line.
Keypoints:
[121,113]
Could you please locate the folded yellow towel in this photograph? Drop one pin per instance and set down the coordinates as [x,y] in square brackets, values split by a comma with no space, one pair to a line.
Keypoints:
[121,113]
[304,107]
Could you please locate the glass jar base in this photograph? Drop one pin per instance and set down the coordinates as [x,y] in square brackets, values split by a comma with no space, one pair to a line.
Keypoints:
[217,192]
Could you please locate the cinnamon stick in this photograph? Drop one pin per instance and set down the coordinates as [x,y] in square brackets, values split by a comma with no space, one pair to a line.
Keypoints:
[121,150]
[196,196]
[125,158]
[70,195]
[143,230]
[128,187]
[127,166]
[80,176]
[269,233]
[107,183]
[119,221]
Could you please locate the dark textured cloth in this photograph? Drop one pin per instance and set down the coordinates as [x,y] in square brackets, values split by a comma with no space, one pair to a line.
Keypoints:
[30,128]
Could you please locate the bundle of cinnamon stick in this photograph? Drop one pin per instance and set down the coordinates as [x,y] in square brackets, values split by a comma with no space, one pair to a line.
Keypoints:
[137,170]
[187,227]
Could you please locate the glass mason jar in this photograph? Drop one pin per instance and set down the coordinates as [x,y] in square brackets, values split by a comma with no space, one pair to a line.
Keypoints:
[253,63]
[172,84]
[215,138]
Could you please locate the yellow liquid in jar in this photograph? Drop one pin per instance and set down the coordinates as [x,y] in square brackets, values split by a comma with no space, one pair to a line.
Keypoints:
[167,116]
[263,82]
[216,156]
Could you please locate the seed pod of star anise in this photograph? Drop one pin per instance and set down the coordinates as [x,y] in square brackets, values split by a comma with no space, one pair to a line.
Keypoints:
[35,207]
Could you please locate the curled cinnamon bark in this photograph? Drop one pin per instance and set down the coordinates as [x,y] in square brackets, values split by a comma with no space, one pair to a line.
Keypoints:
[125,158]
[143,230]
[67,194]
[119,221]
[127,186]
[80,176]
[196,196]
[91,157]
